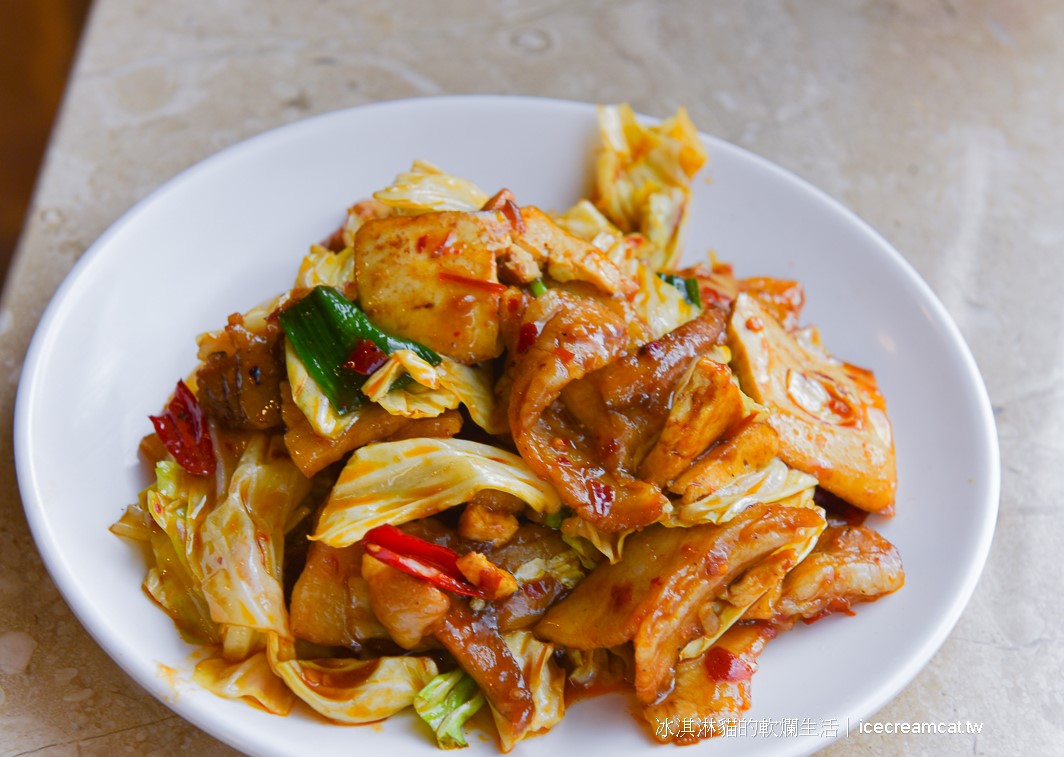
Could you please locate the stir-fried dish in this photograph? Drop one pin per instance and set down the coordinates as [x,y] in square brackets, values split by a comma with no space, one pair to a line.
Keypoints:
[483,457]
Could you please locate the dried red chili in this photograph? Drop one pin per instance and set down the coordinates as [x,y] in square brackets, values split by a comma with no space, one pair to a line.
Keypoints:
[184,432]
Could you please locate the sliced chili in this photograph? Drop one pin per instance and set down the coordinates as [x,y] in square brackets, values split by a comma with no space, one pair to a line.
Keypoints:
[416,557]
[184,432]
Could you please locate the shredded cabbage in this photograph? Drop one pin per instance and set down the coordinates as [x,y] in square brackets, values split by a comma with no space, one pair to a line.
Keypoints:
[311,400]
[660,306]
[566,568]
[349,690]
[435,389]
[250,679]
[585,539]
[644,175]
[772,483]
[585,221]
[243,538]
[425,189]
[397,482]
[446,703]
[323,267]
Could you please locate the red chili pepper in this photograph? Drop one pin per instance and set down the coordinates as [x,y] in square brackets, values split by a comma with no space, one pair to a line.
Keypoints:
[526,336]
[185,434]
[430,562]
[365,358]
[491,287]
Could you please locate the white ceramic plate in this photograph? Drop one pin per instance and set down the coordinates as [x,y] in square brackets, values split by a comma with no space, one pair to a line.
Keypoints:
[231,231]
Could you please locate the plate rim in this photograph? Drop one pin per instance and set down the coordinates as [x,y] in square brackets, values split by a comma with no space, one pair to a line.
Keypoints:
[44,333]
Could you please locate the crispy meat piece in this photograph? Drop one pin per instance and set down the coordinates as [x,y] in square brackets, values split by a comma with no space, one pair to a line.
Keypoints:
[313,453]
[473,640]
[570,337]
[239,385]
[407,606]
[330,601]
[746,448]
[657,594]
[704,407]
[849,564]
[712,688]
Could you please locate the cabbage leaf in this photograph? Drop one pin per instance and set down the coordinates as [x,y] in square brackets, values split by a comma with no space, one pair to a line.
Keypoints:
[323,267]
[243,538]
[311,400]
[426,189]
[446,703]
[771,483]
[250,679]
[546,681]
[434,389]
[397,482]
[349,690]
[643,177]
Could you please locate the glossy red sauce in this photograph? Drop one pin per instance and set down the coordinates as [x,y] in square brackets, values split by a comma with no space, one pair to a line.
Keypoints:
[526,337]
[722,665]
[601,496]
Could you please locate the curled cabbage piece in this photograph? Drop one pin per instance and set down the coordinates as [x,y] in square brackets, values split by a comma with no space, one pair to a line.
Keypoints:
[772,483]
[584,537]
[397,482]
[644,175]
[166,519]
[252,679]
[546,681]
[434,390]
[348,690]
[243,538]
[446,703]
[426,189]
[323,267]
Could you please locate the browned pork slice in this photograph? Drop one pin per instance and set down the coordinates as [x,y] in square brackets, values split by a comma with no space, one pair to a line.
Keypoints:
[830,415]
[407,606]
[849,564]
[239,382]
[712,689]
[330,601]
[474,641]
[624,405]
[561,339]
[313,453]
[660,595]
[536,549]
[704,406]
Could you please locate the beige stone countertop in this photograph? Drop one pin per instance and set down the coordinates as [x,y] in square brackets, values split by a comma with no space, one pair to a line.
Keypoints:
[937,121]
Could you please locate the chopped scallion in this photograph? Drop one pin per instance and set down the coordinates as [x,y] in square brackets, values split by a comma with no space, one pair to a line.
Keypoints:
[688,287]
[323,328]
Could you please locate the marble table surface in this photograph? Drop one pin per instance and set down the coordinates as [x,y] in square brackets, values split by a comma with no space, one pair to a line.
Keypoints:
[937,122]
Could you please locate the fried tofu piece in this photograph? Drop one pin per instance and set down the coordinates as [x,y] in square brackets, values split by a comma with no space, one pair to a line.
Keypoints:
[830,416]
[433,278]
[330,601]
